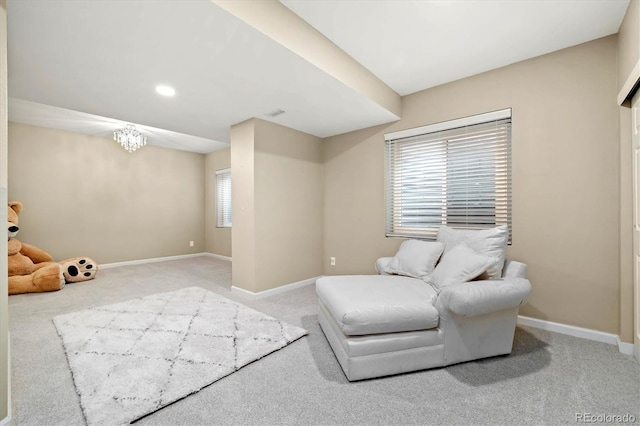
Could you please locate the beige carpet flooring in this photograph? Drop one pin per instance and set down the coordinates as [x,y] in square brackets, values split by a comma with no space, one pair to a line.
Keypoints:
[548,379]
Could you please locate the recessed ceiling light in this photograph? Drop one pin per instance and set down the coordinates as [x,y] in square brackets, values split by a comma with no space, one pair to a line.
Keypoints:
[166,90]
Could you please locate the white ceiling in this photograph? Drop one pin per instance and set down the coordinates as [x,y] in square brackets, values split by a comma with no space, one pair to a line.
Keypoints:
[91,65]
[414,45]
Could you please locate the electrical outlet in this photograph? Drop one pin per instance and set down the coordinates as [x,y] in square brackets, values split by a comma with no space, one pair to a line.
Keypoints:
[333,261]
[191,244]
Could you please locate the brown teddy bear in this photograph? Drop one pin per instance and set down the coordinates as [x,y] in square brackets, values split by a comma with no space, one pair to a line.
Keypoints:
[33,270]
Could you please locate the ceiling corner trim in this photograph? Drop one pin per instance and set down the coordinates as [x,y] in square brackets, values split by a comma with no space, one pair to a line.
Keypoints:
[276,21]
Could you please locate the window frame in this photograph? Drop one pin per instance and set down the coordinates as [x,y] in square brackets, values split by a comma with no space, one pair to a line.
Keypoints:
[428,147]
[223,199]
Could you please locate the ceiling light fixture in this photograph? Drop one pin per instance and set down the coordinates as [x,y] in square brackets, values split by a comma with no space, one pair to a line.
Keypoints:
[129,137]
[166,90]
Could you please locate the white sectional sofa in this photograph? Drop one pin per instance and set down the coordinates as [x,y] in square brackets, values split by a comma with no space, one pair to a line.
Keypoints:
[379,325]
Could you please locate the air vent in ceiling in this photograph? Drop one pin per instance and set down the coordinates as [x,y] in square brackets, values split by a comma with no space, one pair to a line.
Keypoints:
[275,113]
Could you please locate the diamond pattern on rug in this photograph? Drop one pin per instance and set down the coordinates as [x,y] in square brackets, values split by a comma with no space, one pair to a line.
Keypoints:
[132,358]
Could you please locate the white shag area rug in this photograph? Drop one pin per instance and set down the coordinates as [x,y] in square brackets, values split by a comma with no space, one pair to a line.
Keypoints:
[130,359]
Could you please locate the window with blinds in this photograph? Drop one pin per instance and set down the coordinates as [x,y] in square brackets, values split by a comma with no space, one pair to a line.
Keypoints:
[223,198]
[455,173]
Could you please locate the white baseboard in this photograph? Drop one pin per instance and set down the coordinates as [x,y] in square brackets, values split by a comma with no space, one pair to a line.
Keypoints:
[273,291]
[583,333]
[157,259]
[7,420]
[217,256]
[625,348]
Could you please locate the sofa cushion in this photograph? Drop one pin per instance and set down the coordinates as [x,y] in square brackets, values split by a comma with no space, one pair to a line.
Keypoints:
[371,344]
[488,242]
[459,265]
[415,258]
[371,304]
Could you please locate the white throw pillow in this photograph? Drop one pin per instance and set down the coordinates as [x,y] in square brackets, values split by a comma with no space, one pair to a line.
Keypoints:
[415,258]
[460,264]
[489,242]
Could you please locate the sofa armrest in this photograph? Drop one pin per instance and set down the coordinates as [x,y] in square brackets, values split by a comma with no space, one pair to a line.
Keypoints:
[514,269]
[381,265]
[482,297]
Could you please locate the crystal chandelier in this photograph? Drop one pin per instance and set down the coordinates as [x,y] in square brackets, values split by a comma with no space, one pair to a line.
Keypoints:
[130,138]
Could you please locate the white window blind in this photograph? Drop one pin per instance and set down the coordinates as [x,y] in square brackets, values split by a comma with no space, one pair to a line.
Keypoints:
[223,198]
[456,173]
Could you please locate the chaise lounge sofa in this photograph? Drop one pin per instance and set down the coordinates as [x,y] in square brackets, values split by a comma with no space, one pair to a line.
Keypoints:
[433,304]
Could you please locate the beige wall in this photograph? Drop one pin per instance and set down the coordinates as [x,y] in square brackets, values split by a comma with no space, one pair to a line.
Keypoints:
[85,195]
[565,179]
[5,403]
[217,240]
[288,202]
[277,214]
[243,242]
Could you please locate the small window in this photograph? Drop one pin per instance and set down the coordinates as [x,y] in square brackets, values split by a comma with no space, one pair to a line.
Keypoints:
[223,198]
[456,173]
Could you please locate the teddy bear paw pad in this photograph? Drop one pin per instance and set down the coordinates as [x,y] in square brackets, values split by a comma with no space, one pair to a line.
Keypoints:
[79,269]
